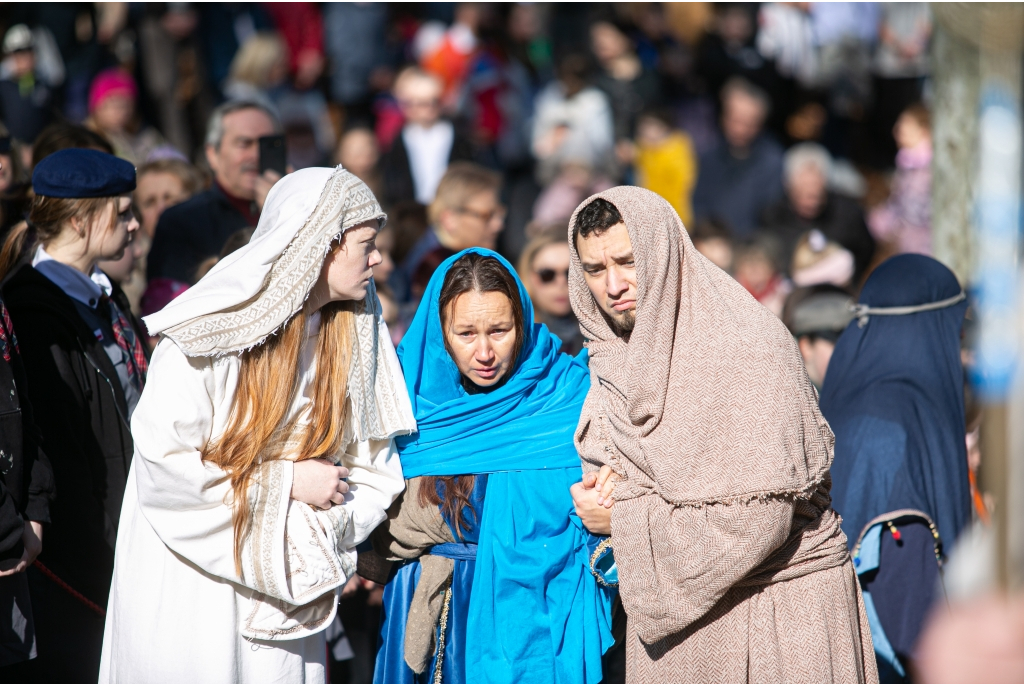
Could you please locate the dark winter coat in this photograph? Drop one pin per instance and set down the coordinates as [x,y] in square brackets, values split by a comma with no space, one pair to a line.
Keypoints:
[840,220]
[26,480]
[398,182]
[191,232]
[82,416]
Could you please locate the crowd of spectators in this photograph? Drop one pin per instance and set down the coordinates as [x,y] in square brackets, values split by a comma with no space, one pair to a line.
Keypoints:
[793,139]
[782,133]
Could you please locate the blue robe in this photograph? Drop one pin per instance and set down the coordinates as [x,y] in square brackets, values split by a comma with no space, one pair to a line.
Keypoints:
[391,666]
[529,605]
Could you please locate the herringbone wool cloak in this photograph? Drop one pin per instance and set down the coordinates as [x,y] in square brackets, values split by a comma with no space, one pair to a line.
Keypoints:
[732,564]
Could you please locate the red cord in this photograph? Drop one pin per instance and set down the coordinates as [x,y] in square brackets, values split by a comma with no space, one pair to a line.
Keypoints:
[96,608]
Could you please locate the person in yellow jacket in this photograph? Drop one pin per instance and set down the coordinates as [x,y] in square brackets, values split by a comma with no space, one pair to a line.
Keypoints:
[665,162]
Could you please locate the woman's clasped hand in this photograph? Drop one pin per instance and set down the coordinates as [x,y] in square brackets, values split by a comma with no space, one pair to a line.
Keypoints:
[319,483]
[592,498]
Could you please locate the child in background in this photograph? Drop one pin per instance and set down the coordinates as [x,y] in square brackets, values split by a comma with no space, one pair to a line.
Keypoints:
[26,100]
[756,270]
[359,153]
[905,220]
[15,195]
[665,161]
[381,272]
[161,291]
[575,181]
[818,260]
[713,241]
[112,114]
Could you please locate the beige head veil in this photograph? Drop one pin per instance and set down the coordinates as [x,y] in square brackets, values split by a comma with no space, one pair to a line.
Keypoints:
[709,401]
[253,292]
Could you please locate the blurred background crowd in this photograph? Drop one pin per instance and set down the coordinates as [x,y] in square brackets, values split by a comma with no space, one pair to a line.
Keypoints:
[794,140]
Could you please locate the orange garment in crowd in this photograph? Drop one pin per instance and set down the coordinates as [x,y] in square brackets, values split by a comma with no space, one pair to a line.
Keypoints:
[670,170]
[450,64]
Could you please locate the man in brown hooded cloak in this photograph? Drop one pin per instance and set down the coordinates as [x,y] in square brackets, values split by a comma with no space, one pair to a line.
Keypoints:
[732,564]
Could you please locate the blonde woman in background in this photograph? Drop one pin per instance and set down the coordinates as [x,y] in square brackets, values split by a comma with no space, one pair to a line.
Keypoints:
[544,269]
[259,66]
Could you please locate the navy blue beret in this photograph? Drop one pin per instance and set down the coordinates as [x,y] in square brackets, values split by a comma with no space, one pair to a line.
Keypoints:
[79,172]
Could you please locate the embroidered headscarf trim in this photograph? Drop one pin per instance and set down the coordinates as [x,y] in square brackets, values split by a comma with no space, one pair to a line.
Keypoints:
[252,293]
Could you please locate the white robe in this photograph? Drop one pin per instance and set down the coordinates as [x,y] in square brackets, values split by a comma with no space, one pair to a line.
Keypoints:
[178,611]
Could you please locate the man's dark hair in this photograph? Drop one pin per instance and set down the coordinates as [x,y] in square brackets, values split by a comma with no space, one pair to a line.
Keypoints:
[595,219]
[574,66]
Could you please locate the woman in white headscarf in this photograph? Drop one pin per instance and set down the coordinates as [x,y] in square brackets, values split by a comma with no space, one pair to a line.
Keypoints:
[274,380]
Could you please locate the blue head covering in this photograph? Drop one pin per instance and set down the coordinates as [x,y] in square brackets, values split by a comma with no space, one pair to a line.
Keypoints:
[79,172]
[532,585]
[894,395]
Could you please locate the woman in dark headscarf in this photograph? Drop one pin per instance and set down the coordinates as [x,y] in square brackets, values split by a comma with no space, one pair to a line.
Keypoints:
[894,397]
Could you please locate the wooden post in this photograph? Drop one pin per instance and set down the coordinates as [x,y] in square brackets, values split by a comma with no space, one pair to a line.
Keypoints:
[955,137]
[988,37]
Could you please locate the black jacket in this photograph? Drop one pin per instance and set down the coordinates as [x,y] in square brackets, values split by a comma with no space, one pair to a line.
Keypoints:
[398,183]
[191,232]
[26,480]
[82,415]
[841,220]
[25,115]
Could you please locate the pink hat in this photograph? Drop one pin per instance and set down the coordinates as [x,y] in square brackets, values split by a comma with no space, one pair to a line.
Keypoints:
[111,81]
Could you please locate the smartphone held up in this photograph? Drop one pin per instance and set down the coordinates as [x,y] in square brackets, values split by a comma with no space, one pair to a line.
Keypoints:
[273,154]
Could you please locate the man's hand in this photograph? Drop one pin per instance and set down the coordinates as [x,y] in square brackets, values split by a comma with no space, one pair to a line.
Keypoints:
[318,483]
[264,182]
[597,518]
[32,540]
[604,482]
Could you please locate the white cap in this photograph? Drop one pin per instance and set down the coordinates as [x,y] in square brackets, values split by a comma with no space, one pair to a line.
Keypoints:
[18,37]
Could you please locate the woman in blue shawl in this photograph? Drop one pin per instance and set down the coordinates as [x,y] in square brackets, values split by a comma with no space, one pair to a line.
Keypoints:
[495,579]
[894,396]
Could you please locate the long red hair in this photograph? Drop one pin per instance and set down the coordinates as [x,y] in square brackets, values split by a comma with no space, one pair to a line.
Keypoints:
[259,428]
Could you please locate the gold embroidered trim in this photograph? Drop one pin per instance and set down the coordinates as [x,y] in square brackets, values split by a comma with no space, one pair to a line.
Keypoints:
[444,628]
[601,547]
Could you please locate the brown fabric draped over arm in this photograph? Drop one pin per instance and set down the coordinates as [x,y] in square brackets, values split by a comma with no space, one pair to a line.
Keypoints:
[706,413]
[675,563]
[408,533]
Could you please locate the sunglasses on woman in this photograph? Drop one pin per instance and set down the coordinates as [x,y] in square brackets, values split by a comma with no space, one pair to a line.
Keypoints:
[548,275]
